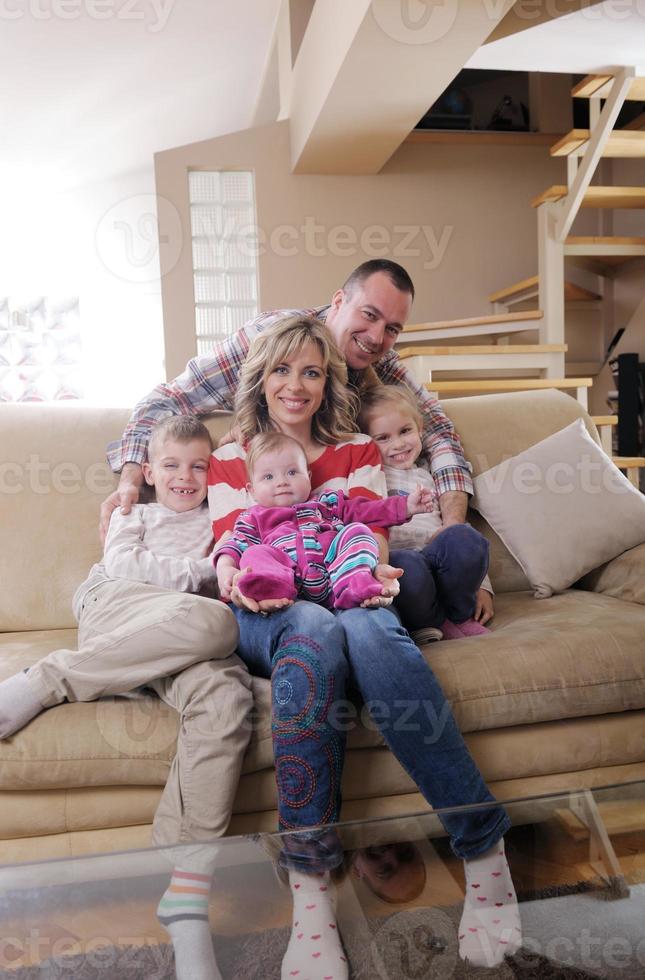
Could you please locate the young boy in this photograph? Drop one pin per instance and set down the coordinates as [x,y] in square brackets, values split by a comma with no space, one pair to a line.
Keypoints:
[142,623]
[291,544]
[446,570]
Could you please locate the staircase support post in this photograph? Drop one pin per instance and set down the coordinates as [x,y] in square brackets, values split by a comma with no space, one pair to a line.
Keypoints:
[551,280]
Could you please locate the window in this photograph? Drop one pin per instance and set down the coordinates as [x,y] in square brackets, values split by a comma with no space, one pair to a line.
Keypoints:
[40,350]
[222,212]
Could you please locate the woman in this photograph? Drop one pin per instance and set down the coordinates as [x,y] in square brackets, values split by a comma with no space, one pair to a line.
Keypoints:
[294,380]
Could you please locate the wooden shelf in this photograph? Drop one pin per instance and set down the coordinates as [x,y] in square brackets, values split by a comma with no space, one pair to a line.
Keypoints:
[620,144]
[508,384]
[572,292]
[474,321]
[483,137]
[629,462]
[599,87]
[597,197]
[483,350]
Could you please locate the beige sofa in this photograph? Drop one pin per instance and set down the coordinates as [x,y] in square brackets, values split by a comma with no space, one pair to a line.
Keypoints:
[552,699]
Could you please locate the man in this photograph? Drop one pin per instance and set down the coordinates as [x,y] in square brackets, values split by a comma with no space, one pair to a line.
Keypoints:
[365,317]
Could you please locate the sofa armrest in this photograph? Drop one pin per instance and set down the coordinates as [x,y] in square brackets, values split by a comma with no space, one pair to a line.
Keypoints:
[622,577]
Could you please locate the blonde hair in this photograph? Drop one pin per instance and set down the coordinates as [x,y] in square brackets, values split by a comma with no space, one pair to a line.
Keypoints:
[395,396]
[181,428]
[336,417]
[268,442]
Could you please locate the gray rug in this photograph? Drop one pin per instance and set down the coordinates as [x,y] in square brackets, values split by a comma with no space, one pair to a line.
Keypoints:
[410,945]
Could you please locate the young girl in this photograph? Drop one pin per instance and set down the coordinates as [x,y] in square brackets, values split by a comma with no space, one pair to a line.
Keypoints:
[290,545]
[444,565]
[294,381]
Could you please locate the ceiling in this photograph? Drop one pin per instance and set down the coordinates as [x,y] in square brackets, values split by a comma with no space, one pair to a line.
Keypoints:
[607,35]
[94,93]
[85,99]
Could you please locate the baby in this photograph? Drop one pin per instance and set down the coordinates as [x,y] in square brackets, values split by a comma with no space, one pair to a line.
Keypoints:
[447,569]
[291,544]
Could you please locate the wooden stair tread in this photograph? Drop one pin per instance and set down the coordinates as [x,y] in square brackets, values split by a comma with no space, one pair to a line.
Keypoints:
[508,384]
[605,240]
[572,292]
[484,349]
[599,86]
[597,197]
[604,419]
[474,321]
[620,144]
[622,462]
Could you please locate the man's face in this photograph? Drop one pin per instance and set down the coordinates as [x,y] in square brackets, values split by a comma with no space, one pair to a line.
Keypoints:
[366,322]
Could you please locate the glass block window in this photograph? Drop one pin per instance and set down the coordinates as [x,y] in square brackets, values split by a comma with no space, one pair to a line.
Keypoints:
[40,350]
[222,214]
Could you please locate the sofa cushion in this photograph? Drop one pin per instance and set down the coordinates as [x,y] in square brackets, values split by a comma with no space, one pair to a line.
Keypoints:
[562,508]
[574,655]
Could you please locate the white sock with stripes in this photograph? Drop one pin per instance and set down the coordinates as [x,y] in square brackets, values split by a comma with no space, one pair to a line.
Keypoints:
[183,912]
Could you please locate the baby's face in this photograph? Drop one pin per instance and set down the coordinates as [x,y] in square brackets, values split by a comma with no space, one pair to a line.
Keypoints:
[281,478]
[397,436]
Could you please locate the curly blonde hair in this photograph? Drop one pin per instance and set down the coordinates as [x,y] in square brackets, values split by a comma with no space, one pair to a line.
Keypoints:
[336,417]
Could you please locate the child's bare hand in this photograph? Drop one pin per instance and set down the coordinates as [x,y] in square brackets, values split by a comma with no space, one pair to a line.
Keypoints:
[387,575]
[484,608]
[419,501]
[225,578]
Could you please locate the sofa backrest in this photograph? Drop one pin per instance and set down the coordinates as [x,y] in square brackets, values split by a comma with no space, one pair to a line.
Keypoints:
[53,478]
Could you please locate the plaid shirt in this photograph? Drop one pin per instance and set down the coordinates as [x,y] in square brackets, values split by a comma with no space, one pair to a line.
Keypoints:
[210,381]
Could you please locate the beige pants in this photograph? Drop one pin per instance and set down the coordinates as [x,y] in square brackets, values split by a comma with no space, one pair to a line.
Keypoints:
[182,646]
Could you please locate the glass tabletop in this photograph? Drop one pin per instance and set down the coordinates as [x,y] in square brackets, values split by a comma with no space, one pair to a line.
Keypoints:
[577,861]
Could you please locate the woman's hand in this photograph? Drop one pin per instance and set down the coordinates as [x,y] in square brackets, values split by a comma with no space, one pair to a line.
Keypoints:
[484,609]
[264,606]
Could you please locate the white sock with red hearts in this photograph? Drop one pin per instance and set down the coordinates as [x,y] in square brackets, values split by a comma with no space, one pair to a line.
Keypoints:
[490,926]
[315,951]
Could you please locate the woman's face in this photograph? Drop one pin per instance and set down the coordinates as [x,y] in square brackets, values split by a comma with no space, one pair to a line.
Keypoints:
[294,389]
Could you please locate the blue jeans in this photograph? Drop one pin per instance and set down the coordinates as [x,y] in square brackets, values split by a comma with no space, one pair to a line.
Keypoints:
[312,655]
[441,581]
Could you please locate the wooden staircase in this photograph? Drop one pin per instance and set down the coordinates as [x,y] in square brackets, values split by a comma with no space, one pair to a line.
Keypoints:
[457,366]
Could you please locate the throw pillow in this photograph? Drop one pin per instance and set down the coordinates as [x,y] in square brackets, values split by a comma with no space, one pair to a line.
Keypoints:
[561,508]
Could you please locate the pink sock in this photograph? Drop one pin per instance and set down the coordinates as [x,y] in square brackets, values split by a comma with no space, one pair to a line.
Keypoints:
[359,586]
[450,630]
[472,628]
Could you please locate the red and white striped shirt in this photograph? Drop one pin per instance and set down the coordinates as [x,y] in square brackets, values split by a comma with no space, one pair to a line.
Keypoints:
[353,466]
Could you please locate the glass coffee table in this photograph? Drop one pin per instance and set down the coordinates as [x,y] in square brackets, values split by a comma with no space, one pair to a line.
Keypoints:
[578,863]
